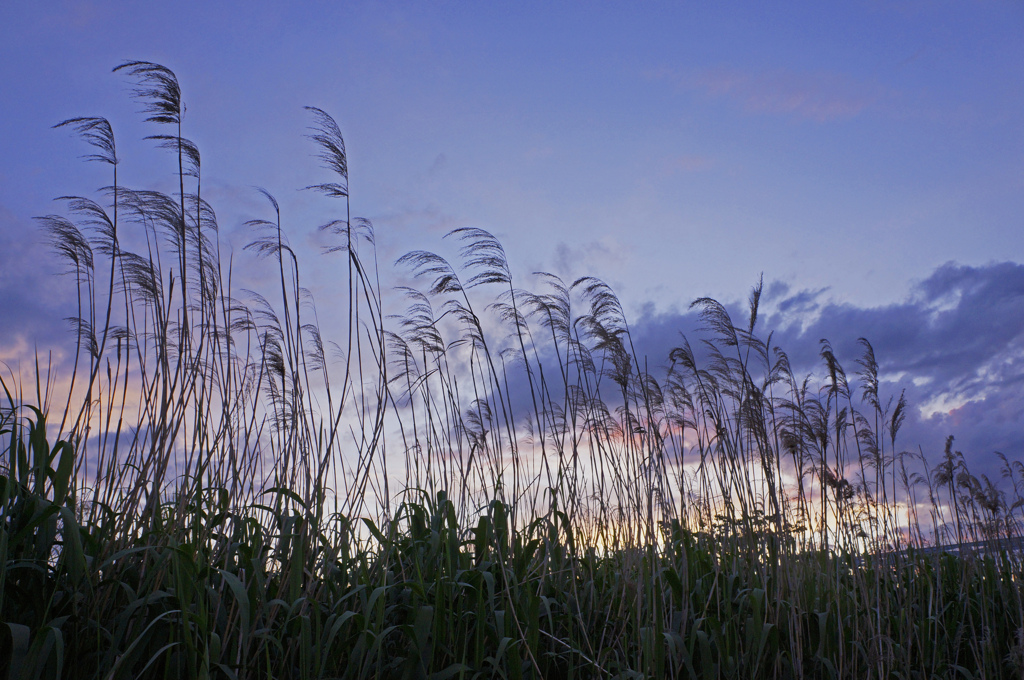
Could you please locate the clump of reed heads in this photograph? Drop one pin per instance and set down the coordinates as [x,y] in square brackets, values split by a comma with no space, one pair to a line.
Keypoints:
[490,483]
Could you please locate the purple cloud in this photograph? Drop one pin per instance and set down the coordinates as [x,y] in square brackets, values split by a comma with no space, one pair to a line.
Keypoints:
[816,96]
[955,345]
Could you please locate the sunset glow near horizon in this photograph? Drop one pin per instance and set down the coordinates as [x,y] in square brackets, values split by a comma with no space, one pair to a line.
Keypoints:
[868,160]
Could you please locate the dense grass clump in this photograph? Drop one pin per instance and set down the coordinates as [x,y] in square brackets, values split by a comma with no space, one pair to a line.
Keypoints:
[489,484]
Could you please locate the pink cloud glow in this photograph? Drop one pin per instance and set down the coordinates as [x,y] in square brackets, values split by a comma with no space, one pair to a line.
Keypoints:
[817,96]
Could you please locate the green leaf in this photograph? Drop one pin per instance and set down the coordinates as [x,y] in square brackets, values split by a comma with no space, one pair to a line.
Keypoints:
[242,598]
[674,581]
[73,555]
[14,644]
[62,474]
[449,671]
[375,531]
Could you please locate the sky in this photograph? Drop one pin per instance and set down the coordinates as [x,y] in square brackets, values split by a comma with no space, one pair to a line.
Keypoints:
[866,157]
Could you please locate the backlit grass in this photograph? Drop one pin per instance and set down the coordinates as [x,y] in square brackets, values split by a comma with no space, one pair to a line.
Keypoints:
[486,481]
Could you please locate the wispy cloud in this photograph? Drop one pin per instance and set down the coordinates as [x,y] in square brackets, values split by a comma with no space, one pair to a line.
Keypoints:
[686,163]
[607,255]
[813,95]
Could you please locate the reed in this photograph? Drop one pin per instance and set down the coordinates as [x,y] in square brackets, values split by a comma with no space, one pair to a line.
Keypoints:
[488,483]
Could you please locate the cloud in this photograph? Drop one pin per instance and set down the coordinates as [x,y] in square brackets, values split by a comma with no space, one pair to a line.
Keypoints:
[76,15]
[686,164]
[607,254]
[962,328]
[955,345]
[819,96]
[31,296]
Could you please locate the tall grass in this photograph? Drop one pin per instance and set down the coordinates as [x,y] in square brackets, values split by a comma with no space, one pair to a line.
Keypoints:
[490,483]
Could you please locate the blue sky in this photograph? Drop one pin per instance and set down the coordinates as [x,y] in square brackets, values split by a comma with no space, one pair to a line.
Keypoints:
[868,159]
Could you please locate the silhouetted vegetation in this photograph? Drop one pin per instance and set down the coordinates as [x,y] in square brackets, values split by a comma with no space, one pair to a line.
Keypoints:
[489,484]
